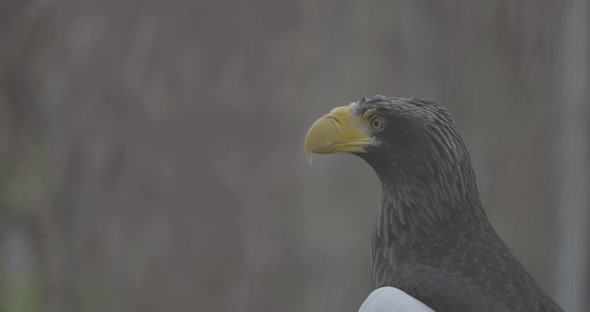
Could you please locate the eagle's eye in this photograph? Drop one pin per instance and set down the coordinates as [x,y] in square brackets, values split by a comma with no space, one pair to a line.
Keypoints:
[375,123]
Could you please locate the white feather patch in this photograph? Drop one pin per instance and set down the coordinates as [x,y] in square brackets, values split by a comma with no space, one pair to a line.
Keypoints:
[390,299]
[354,107]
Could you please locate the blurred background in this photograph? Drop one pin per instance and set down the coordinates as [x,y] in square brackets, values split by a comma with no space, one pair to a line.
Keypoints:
[151,152]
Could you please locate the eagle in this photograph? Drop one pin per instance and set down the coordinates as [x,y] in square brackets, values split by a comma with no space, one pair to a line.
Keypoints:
[432,241]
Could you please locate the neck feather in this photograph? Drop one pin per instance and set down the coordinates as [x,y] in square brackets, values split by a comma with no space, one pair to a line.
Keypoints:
[422,197]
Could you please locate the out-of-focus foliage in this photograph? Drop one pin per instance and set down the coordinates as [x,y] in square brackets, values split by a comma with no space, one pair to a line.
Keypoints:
[151,151]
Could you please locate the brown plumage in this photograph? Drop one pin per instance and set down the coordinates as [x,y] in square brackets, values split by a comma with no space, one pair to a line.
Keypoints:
[432,238]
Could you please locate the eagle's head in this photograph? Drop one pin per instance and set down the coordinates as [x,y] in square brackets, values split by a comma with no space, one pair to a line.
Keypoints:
[390,134]
[414,147]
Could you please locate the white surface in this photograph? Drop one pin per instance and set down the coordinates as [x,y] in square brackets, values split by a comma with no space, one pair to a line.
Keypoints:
[390,299]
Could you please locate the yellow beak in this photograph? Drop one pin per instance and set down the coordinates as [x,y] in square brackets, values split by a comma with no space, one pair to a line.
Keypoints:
[339,131]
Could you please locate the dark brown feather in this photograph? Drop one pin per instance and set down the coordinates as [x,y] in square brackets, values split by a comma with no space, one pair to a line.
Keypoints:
[432,238]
